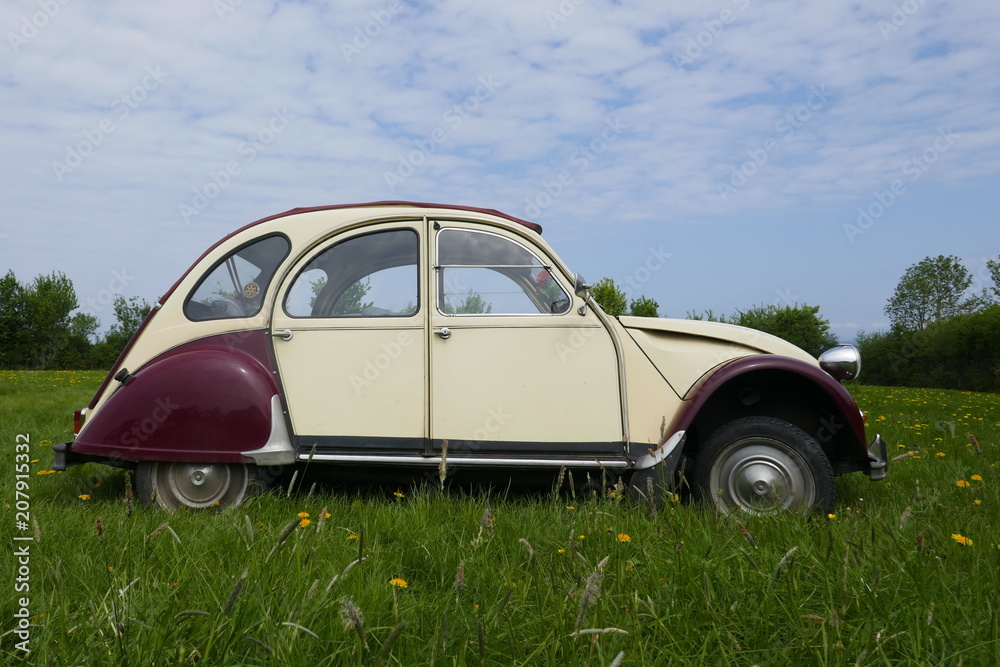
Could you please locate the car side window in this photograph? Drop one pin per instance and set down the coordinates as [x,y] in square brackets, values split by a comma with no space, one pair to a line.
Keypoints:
[236,285]
[484,273]
[372,275]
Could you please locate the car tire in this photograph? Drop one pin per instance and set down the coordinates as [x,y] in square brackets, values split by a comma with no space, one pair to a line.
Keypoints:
[171,485]
[763,465]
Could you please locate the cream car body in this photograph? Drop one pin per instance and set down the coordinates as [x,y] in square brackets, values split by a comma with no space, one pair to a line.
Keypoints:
[397,335]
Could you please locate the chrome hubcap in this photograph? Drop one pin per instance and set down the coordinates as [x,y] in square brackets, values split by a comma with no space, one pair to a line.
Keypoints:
[762,476]
[200,484]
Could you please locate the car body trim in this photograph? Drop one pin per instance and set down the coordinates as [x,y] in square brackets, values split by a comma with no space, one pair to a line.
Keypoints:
[662,451]
[480,461]
[277,451]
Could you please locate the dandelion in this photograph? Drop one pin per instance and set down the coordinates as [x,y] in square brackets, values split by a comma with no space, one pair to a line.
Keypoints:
[569,507]
[560,551]
[940,454]
[45,472]
[84,496]
[303,515]
[976,478]
[304,522]
[831,517]
[399,494]
[961,484]
[623,537]
[977,501]
[352,536]
[398,582]
[961,539]
[581,537]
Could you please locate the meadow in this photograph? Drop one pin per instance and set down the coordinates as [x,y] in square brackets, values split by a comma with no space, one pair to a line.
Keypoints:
[903,571]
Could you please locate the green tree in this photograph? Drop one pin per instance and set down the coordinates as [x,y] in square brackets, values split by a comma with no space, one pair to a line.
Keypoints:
[48,302]
[610,297]
[644,307]
[473,304]
[931,290]
[800,325]
[994,268]
[129,314]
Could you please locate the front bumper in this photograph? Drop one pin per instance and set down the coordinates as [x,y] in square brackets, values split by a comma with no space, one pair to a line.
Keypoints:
[878,459]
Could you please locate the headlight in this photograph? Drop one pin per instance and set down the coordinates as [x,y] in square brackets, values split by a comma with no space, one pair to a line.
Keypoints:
[842,362]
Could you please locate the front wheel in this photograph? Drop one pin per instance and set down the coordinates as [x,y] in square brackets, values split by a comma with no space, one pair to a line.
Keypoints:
[763,465]
[195,485]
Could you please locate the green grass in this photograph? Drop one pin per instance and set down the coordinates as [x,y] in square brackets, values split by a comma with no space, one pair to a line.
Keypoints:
[882,581]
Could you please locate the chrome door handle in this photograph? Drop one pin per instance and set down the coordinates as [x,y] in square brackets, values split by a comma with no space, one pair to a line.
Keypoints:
[444,332]
[284,334]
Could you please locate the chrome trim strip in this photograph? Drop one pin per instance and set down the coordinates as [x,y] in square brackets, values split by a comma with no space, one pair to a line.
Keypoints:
[277,451]
[436,460]
[663,451]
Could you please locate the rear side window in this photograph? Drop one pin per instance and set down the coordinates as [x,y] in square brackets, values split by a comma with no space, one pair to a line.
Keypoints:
[236,285]
[372,275]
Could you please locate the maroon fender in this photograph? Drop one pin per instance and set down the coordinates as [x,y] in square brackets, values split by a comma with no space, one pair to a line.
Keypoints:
[703,390]
[205,401]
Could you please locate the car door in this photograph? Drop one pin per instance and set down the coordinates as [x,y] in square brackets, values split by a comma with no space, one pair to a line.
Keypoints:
[517,370]
[349,327]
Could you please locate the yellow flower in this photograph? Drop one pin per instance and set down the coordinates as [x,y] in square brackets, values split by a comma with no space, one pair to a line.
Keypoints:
[398,494]
[560,551]
[582,537]
[961,539]
[940,454]
[831,516]
[45,472]
[977,501]
[570,507]
[304,522]
[623,537]
[84,496]
[977,478]
[303,514]
[352,536]
[400,583]
[961,483]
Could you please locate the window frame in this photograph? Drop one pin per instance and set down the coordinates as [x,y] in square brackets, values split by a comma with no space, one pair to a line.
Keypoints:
[546,266]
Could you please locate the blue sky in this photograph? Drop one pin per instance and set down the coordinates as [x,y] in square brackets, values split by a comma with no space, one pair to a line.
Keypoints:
[710,155]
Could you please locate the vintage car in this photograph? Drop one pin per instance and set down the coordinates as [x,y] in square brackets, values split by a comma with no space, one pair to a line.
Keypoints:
[419,337]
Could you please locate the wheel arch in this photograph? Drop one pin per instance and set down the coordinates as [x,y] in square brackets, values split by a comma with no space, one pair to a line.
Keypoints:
[204,401]
[787,389]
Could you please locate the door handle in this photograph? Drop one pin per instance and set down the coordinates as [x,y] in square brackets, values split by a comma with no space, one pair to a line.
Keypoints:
[284,334]
[444,332]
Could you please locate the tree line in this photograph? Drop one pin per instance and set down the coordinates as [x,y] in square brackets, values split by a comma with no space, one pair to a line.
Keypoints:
[39,329]
[944,326]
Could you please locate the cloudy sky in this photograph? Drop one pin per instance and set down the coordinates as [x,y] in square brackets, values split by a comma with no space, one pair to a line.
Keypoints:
[748,152]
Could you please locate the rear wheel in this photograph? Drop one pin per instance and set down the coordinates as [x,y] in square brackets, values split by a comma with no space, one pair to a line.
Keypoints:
[763,465]
[196,485]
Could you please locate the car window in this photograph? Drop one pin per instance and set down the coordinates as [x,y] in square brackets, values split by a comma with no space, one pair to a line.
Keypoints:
[236,285]
[484,273]
[373,275]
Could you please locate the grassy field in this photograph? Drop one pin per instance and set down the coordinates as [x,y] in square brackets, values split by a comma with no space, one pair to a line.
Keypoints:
[904,571]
